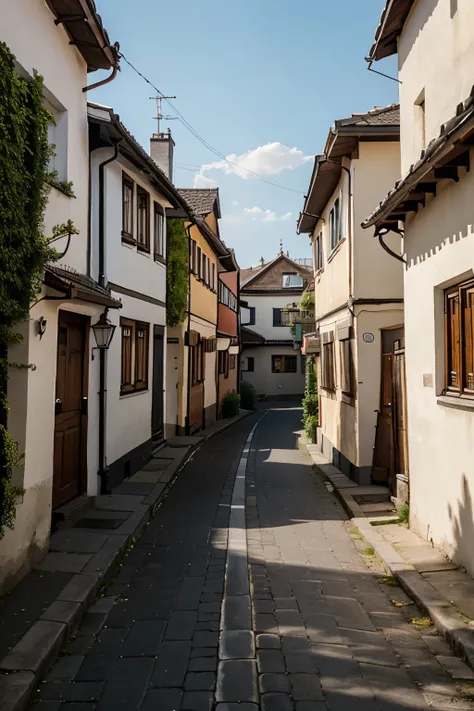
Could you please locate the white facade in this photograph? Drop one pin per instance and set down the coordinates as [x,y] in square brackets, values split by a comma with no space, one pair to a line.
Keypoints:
[264,380]
[39,45]
[358,290]
[436,49]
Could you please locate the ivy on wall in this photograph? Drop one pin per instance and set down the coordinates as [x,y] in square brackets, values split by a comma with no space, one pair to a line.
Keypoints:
[177,273]
[24,250]
[310,401]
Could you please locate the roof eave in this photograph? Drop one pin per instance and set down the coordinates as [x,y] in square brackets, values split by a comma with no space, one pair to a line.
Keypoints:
[391,24]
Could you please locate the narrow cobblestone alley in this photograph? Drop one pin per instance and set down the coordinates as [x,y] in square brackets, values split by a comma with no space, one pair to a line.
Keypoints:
[288,615]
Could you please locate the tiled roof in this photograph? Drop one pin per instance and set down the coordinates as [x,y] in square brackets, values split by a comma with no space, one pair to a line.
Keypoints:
[390,27]
[379,116]
[201,201]
[249,272]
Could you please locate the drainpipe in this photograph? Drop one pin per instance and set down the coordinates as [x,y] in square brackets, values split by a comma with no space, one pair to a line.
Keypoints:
[103,469]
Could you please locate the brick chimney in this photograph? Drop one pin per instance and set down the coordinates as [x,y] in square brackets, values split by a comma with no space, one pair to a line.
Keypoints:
[161,151]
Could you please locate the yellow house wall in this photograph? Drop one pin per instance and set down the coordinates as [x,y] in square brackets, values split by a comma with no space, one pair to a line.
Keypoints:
[203,300]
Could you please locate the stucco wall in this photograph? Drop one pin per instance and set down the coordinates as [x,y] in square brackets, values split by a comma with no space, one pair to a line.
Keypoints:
[435,54]
[203,300]
[273,384]
[376,273]
[264,306]
[439,246]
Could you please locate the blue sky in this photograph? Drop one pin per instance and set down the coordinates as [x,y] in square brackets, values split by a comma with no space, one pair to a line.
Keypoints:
[259,80]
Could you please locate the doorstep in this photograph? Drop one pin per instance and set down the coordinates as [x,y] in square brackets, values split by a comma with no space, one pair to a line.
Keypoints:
[46,607]
[440,587]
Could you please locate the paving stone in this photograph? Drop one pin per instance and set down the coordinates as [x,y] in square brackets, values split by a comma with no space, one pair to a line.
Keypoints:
[200,681]
[437,644]
[209,607]
[236,613]
[294,645]
[197,701]
[162,700]
[15,689]
[270,660]
[300,663]
[38,647]
[274,682]
[205,639]
[264,606]
[172,664]
[369,647]
[78,707]
[103,605]
[237,644]
[276,702]
[201,664]
[316,706]
[266,623]
[456,667]
[74,692]
[66,668]
[197,652]
[237,681]
[180,626]
[306,687]
[80,645]
[91,624]
[144,638]
[290,622]
[236,707]
[61,611]
[45,705]
[77,540]
[65,562]
[285,603]
[268,641]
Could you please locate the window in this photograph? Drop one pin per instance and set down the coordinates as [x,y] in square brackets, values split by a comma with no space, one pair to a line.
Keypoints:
[251,316]
[197,363]
[347,368]
[248,364]
[143,232]
[335,224]
[198,266]
[292,281]
[277,317]
[159,230]
[327,362]
[459,329]
[318,252]
[420,123]
[135,350]
[284,364]
[226,297]
[57,135]
[213,281]
[223,363]
[232,361]
[127,209]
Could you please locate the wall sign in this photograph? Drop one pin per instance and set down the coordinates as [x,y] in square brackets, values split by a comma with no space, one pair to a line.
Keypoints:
[172,340]
[368,337]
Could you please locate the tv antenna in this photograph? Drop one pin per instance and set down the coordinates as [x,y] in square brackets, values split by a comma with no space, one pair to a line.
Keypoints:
[159,116]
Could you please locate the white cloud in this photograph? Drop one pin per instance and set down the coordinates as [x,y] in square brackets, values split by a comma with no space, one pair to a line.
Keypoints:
[235,203]
[266,215]
[202,181]
[267,160]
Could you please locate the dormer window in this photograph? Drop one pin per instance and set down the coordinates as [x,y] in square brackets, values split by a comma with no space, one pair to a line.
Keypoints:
[292,281]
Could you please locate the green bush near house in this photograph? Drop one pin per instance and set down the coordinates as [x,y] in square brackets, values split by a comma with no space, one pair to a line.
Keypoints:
[307,301]
[248,396]
[230,405]
[177,272]
[310,402]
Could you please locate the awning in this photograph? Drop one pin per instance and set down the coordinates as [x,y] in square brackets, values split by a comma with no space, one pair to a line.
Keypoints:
[78,287]
[441,160]
[311,344]
[251,338]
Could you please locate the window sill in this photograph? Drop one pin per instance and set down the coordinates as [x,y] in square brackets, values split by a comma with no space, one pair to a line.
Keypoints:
[159,258]
[143,250]
[129,393]
[336,250]
[128,239]
[457,403]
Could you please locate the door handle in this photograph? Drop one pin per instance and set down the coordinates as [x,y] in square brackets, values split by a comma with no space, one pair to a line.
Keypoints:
[58,407]
[85,405]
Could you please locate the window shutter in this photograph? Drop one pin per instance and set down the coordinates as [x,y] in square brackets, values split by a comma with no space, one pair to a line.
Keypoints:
[453,338]
[277,317]
[468,339]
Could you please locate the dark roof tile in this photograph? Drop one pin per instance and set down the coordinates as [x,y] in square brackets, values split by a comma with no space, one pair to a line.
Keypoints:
[201,201]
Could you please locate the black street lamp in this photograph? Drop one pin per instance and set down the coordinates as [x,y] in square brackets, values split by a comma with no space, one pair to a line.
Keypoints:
[103,332]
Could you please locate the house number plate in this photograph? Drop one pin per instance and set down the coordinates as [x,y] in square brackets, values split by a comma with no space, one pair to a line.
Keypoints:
[368,337]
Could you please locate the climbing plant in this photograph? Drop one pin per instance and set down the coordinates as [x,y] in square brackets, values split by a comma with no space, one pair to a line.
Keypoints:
[310,401]
[177,272]
[307,301]
[25,181]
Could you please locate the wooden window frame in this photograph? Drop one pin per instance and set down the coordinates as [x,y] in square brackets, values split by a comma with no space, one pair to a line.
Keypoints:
[232,361]
[223,363]
[318,252]
[143,246]
[346,366]
[250,365]
[291,286]
[277,322]
[459,340]
[126,235]
[196,354]
[214,288]
[252,316]
[158,219]
[335,231]
[284,359]
[198,269]
[328,370]
[133,383]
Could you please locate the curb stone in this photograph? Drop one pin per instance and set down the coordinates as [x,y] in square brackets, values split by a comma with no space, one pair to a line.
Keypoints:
[25,665]
[445,617]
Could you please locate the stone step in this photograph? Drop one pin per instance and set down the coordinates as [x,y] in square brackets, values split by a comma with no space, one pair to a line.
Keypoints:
[65,516]
[380,507]
[371,494]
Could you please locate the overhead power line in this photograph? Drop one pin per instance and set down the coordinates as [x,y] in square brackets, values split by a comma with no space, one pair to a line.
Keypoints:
[201,139]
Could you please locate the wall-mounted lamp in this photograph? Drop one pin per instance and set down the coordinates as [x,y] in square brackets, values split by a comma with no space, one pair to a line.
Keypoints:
[103,333]
[42,323]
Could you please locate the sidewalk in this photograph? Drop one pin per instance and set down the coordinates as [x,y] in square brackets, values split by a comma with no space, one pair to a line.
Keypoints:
[48,604]
[443,589]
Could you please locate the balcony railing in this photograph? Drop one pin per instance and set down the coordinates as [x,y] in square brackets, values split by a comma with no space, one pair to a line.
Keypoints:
[290,318]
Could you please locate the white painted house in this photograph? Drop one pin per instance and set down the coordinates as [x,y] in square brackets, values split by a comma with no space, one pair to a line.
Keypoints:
[358,291]
[129,198]
[433,206]
[53,417]
[269,359]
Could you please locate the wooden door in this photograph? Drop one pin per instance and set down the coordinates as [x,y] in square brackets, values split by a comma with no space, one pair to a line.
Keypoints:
[196,393]
[157,391]
[70,434]
[400,410]
[383,464]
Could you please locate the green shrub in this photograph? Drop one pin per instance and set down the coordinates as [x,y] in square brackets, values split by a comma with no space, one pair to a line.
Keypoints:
[230,404]
[310,402]
[248,396]
[177,272]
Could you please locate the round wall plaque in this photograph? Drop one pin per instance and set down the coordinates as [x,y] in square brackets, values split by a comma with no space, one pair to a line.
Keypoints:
[368,337]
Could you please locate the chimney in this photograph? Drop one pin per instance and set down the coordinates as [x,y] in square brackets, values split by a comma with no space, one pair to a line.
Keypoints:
[161,151]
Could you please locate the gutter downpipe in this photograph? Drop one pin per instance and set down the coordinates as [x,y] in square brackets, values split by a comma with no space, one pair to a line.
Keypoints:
[103,470]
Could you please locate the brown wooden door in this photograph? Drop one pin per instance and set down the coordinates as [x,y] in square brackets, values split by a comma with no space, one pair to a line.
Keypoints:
[400,411]
[69,476]
[383,465]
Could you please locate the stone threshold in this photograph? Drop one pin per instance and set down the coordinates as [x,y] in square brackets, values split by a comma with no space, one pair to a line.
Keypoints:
[88,555]
[440,587]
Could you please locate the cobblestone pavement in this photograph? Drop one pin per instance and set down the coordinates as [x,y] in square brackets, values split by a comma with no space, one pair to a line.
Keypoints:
[291,614]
